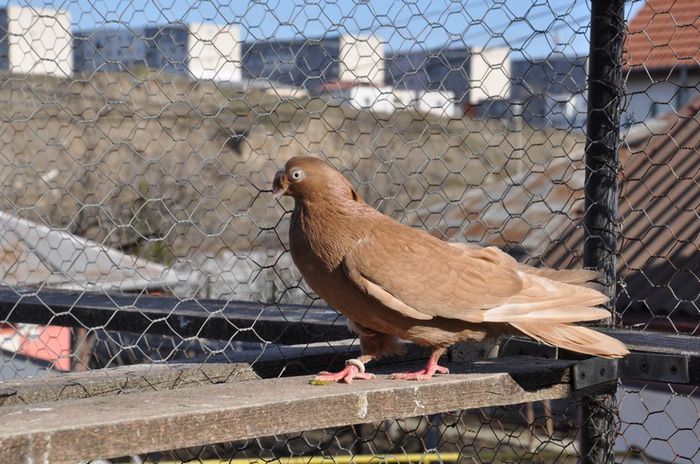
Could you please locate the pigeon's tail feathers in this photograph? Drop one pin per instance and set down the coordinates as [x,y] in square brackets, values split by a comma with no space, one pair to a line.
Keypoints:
[574,338]
[545,300]
[569,276]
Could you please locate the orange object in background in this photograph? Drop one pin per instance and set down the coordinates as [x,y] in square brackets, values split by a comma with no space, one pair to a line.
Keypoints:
[48,343]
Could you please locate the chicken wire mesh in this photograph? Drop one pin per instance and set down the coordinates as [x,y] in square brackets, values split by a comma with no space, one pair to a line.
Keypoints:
[139,141]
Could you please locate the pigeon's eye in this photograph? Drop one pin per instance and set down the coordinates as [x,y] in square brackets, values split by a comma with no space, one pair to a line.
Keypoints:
[297,174]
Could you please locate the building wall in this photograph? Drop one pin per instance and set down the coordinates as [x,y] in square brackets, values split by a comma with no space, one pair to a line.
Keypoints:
[548,92]
[366,97]
[109,50]
[299,63]
[201,51]
[39,41]
[167,48]
[214,52]
[489,74]
[434,70]
[653,94]
[4,63]
[387,99]
[361,58]
[439,103]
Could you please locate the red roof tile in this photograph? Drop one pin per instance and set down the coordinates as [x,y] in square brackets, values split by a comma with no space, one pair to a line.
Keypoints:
[663,34]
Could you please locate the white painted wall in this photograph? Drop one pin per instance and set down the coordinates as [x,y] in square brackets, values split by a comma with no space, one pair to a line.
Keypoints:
[214,52]
[489,74]
[366,97]
[405,98]
[361,59]
[651,95]
[39,41]
[387,100]
[437,103]
[434,102]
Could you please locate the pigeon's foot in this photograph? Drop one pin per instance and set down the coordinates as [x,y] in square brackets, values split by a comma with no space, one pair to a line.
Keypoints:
[354,369]
[424,374]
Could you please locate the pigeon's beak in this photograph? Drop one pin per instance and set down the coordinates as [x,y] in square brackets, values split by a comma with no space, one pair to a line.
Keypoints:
[279,185]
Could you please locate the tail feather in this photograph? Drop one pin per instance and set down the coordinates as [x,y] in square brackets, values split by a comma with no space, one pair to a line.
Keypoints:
[544,300]
[574,338]
[568,276]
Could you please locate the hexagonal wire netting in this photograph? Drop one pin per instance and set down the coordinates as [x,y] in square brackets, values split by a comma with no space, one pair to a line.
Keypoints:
[139,141]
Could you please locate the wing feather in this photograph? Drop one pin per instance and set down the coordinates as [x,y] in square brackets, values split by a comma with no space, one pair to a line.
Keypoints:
[422,277]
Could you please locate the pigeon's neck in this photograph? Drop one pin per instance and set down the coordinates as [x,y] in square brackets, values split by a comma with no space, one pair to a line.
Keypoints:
[330,229]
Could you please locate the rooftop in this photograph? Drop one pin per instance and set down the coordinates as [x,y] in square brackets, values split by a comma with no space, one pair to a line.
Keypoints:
[664,34]
[35,255]
[660,220]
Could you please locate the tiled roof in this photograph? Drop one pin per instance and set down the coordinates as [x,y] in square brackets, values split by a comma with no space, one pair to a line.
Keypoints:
[663,34]
[522,213]
[659,210]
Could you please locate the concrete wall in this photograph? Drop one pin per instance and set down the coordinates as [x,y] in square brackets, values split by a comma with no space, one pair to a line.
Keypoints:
[39,41]
[489,74]
[361,59]
[215,52]
[655,93]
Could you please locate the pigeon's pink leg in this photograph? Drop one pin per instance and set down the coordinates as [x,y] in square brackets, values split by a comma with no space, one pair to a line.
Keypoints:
[354,369]
[426,373]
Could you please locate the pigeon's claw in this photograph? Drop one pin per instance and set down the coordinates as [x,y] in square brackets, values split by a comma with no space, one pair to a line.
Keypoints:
[354,369]
[424,374]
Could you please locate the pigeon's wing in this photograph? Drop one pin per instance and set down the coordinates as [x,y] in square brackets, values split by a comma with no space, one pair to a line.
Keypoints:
[422,277]
[495,255]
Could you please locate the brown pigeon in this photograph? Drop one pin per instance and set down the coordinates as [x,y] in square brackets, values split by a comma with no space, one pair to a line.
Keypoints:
[396,282]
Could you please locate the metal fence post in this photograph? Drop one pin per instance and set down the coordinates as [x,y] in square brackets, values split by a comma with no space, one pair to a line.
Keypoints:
[605,93]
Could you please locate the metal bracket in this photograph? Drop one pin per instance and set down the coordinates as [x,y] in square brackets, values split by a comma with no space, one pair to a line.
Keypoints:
[655,367]
[594,371]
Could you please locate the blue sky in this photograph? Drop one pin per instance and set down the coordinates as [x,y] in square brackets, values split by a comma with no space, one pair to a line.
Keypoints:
[533,28]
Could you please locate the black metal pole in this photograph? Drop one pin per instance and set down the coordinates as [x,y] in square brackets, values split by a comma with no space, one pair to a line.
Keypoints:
[605,94]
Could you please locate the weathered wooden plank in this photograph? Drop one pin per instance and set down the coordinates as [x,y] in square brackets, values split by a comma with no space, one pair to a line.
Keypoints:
[120,380]
[146,422]
[218,319]
[657,342]
[287,360]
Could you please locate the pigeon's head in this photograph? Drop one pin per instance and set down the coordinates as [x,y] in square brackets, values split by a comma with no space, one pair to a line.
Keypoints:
[305,177]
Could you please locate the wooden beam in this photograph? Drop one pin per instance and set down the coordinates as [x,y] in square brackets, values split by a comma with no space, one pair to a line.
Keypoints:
[151,421]
[120,380]
[656,342]
[288,360]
